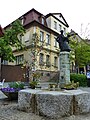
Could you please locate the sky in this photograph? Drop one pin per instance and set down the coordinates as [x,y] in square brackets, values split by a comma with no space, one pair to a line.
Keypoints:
[75,12]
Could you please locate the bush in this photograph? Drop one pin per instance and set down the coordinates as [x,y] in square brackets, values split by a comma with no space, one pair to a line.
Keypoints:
[16,85]
[79,78]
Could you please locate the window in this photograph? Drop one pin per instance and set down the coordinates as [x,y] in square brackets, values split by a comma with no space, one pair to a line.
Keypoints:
[41,36]
[41,74]
[48,74]
[64,29]
[41,58]
[55,25]
[19,59]
[55,42]
[27,36]
[48,60]
[43,21]
[60,27]
[5,62]
[88,67]
[55,61]
[22,20]
[47,38]
[20,37]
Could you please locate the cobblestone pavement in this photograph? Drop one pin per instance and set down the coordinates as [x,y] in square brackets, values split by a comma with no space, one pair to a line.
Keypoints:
[9,111]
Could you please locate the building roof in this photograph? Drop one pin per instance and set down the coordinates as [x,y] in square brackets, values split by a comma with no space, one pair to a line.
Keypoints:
[34,15]
[31,16]
[60,15]
[77,36]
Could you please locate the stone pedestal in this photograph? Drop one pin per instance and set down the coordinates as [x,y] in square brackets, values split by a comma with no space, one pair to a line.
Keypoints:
[64,68]
[54,104]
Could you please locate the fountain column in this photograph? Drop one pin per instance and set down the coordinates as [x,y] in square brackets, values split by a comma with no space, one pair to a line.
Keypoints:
[64,62]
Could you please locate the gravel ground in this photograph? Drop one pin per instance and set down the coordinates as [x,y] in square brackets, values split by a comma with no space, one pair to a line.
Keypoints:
[9,111]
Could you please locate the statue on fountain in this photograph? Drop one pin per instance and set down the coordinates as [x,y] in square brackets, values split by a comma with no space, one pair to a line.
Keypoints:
[63,42]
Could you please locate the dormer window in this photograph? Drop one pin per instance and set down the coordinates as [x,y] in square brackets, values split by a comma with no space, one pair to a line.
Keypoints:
[42,20]
[60,27]
[64,29]
[55,25]
[22,20]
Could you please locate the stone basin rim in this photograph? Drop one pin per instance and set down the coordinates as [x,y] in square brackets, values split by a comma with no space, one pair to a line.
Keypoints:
[64,92]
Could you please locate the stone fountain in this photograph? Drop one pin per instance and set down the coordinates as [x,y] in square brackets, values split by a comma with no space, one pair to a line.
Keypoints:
[56,104]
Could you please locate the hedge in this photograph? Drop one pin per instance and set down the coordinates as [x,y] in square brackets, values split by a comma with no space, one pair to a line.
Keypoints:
[81,78]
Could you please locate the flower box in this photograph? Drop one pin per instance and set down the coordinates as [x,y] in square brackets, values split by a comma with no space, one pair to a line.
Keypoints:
[11,95]
[12,90]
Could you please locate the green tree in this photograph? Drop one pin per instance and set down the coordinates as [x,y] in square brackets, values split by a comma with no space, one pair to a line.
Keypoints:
[10,39]
[80,53]
[83,54]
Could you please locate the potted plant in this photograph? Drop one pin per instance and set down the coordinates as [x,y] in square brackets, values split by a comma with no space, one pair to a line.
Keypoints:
[33,84]
[12,90]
